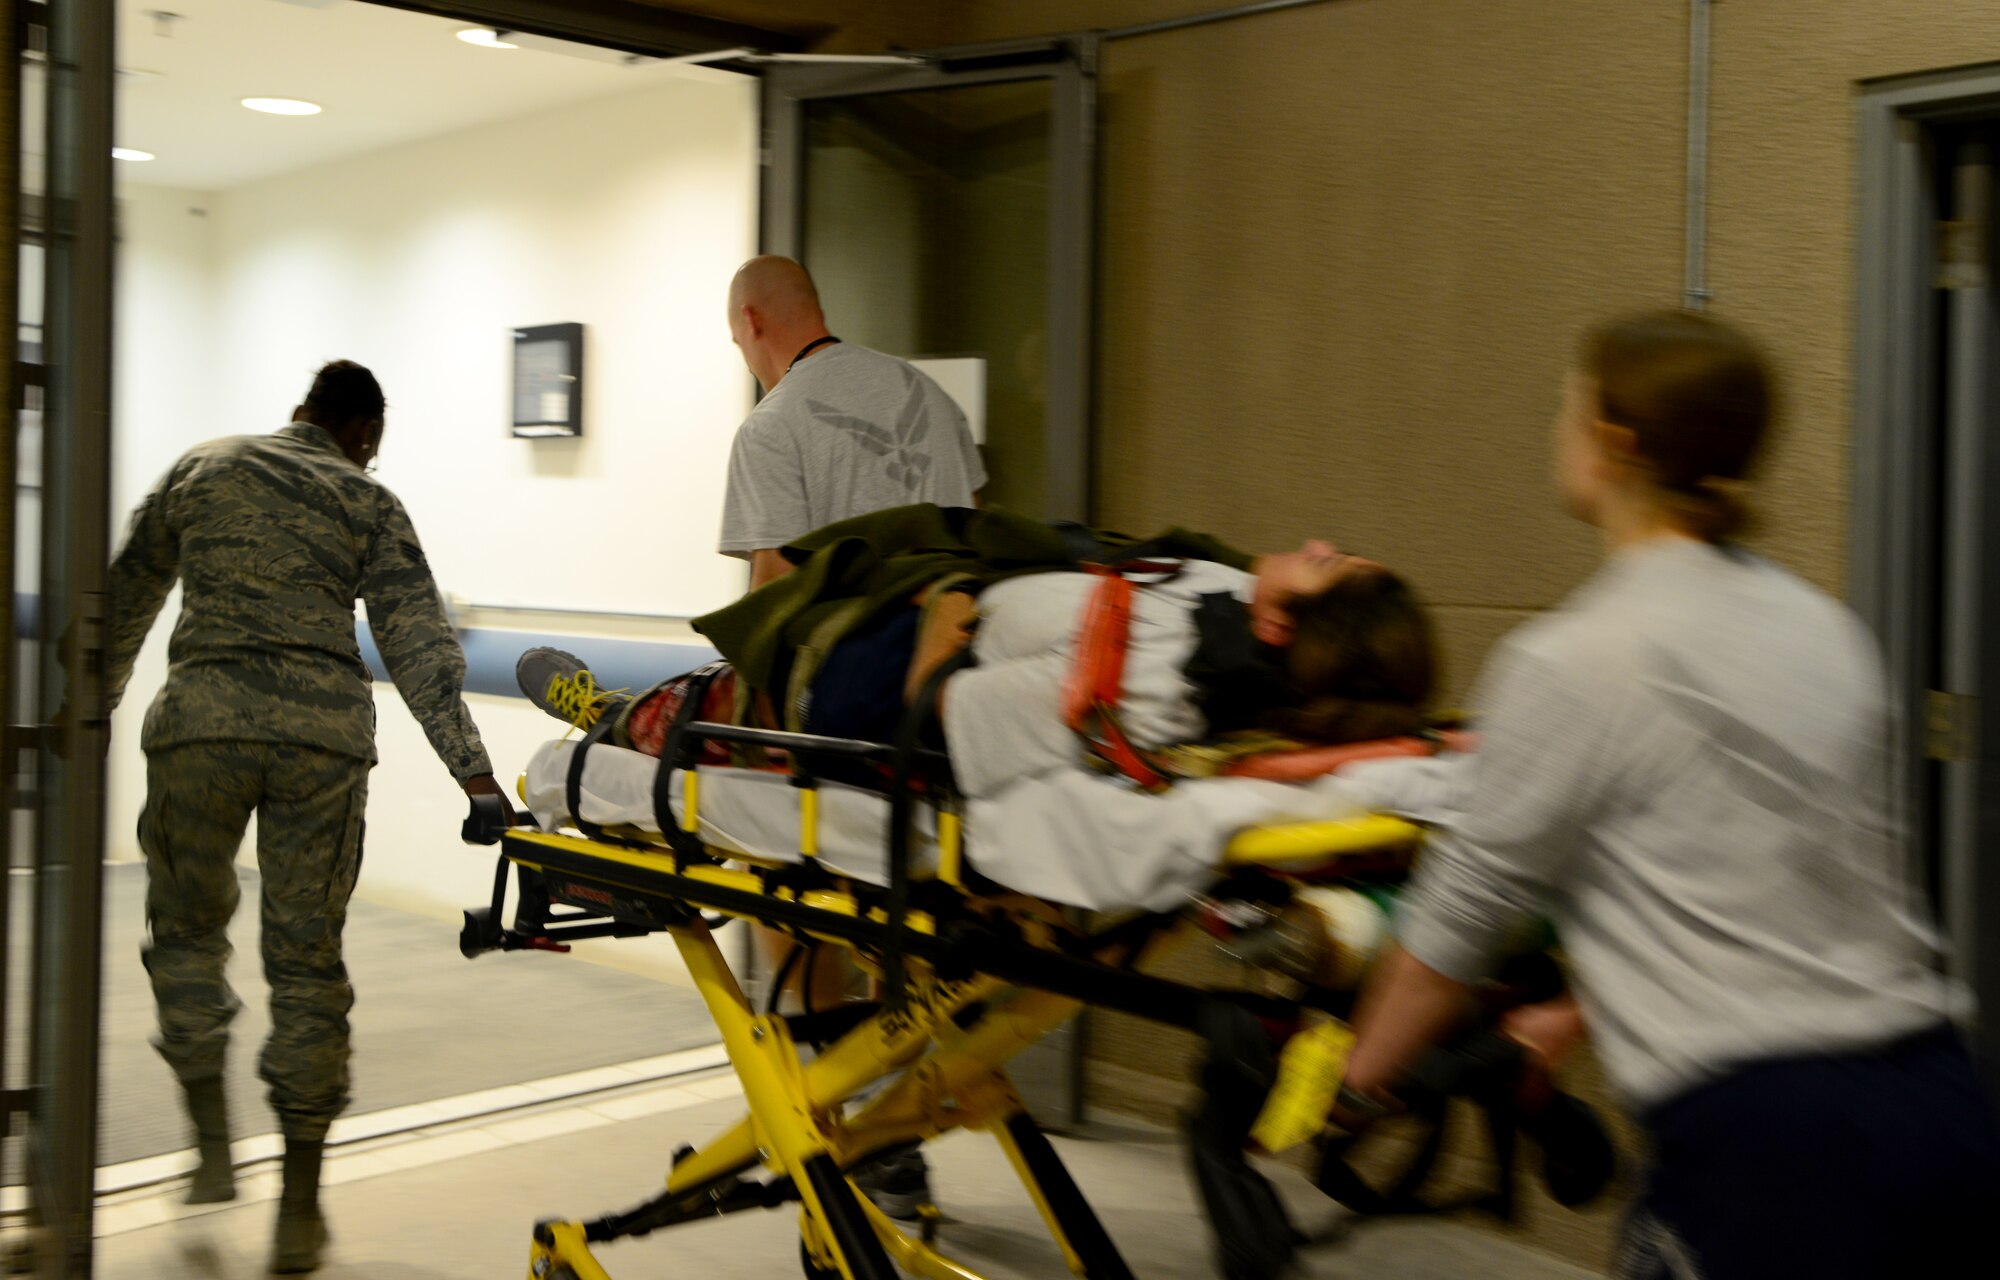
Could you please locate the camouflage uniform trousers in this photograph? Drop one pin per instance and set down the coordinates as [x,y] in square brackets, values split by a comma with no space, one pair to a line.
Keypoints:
[310,807]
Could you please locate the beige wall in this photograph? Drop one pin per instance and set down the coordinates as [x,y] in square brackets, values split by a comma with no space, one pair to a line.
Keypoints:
[1346,250]
[1342,254]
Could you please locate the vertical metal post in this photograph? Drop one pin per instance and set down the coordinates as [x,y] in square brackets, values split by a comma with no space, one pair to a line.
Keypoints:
[782,207]
[72,614]
[1894,535]
[10,397]
[1967,437]
[1695,293]
[1071,277]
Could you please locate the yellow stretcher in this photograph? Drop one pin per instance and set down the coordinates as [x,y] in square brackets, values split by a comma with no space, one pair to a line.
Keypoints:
[971,975]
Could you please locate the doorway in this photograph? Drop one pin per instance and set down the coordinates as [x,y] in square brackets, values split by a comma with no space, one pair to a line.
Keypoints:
[1926,516]
[949,198]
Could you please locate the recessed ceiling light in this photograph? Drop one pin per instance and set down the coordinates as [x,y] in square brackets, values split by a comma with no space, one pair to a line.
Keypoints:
[485,38]
[129,153]
[282,106]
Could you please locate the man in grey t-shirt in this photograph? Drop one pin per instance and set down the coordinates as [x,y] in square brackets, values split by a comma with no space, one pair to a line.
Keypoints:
[841,430]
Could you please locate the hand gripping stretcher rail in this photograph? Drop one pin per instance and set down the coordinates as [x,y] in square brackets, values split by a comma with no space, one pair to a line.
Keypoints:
[970,974]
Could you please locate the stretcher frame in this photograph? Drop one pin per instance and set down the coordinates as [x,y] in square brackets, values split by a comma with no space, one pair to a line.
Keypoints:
[972,976]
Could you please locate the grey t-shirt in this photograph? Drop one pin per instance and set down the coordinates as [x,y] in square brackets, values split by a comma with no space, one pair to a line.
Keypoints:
[849,431]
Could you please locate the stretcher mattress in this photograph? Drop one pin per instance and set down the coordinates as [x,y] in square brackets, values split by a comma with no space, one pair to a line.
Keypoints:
[1068,836]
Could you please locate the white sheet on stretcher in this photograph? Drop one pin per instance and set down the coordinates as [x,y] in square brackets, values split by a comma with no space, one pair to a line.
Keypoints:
[1070,836]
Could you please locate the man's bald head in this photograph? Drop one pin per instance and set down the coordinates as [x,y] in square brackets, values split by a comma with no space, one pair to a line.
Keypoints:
[773,312]
[777,286]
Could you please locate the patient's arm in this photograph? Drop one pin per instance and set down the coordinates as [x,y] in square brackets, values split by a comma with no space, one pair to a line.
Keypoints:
[945,632]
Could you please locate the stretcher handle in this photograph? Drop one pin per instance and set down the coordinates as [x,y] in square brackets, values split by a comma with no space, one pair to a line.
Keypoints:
[487,821]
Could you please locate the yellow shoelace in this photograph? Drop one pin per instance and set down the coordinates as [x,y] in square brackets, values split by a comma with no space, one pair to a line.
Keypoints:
[578,699]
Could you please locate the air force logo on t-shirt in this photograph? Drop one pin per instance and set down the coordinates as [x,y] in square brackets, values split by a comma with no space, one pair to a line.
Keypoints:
[908,464]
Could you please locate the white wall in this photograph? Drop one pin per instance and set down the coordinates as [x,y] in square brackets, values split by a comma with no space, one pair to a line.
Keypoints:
[164,394]
[627,214]
[165,340]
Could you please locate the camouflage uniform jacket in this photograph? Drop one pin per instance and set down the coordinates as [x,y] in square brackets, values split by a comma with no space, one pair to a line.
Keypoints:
[274,538]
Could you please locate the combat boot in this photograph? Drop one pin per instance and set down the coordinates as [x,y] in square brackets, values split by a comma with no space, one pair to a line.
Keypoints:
[215,1178]
[302,1233]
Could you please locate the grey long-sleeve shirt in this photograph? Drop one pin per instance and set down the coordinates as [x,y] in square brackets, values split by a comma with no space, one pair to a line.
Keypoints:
[273,539]
[1687,768]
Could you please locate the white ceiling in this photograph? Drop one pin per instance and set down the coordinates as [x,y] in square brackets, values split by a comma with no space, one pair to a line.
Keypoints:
[384,76]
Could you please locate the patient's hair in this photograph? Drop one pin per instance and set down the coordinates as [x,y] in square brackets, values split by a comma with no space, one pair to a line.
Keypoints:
[344,393]
[1698,397]
[1362,660]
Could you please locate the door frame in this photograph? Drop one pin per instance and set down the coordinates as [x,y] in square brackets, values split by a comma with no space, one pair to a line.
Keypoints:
[1069,64]
[1897,541]
[75,41]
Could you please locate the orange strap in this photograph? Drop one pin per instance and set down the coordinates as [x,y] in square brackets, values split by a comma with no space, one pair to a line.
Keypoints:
[1096,679]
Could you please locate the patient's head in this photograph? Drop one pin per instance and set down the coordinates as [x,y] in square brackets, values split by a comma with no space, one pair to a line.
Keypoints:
[1362,660]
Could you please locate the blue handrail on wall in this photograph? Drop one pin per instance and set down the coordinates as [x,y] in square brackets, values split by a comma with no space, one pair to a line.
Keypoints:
[490,654]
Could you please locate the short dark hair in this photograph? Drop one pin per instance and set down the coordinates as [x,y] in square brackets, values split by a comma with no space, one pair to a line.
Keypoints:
[344,393]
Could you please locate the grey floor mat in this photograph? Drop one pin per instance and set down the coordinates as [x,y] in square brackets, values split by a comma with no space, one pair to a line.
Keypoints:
[427,1022]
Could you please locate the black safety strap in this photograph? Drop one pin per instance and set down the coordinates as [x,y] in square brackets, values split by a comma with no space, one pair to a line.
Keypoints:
[682,750]
[573,780]
[902,814]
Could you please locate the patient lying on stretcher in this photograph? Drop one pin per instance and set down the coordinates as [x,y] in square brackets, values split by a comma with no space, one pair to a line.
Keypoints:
[846,642]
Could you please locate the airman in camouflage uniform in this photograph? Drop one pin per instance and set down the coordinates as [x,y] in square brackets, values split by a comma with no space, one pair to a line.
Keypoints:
[269,708]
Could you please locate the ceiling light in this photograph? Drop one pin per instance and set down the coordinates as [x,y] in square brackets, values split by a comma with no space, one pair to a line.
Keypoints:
[128,153]
[282,106]
[485,38]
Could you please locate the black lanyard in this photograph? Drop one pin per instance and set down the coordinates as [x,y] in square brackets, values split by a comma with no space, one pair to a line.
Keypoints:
[807,350]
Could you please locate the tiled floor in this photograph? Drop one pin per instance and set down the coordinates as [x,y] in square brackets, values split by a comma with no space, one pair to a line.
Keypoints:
[458,1201]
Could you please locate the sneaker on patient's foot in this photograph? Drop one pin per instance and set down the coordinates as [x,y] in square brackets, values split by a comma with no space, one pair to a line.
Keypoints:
[898,1184]
[561,685]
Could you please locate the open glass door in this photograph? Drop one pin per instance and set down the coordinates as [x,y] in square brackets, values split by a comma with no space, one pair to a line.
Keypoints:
[943,203]
[55,468]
